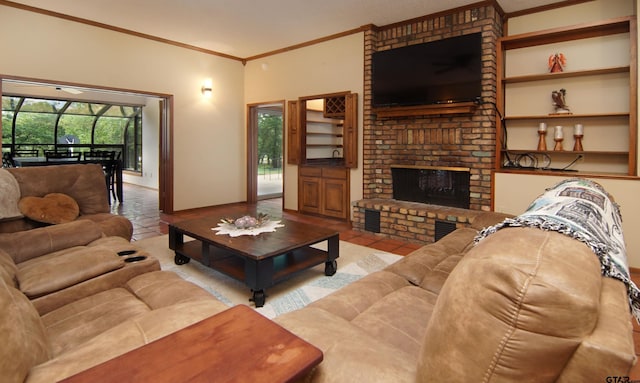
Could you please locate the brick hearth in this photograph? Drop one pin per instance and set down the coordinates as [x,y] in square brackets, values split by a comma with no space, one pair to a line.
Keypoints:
[465,140]
[410,221]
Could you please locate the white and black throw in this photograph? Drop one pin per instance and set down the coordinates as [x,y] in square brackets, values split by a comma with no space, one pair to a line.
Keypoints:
[583,210]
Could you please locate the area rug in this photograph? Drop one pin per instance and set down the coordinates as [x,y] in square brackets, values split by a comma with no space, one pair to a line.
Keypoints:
[303,288]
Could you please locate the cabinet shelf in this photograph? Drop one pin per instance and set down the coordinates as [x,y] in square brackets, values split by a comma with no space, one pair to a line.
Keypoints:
[325,122]
[567,152]
[566,116]
[325,134]
[548,172]
[575,32]
[560,75]
[611,114]
[324,146]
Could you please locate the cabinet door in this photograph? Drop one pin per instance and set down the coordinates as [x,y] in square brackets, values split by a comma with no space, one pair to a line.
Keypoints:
[350,139]
[309,195]
[334,197]
[293,133]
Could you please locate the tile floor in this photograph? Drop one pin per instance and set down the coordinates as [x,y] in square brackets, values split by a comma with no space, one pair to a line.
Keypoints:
[141,207]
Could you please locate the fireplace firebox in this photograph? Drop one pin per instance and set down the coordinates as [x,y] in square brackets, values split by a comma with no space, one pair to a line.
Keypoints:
[445,186]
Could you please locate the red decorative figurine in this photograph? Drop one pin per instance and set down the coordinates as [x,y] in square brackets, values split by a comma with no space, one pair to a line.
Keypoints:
[557,62]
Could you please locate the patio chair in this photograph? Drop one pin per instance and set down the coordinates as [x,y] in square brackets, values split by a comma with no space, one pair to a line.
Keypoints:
[25,153]
[57,156]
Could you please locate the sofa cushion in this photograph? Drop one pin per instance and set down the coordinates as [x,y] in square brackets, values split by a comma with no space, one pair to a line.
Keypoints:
[414,266]
[53,208]
[150,287]
[124,337]
[435,278]
[10,192]
[24,341]
[399,319]
[78,181]
[353,299]
[79,321]
[350,353]
[58,270]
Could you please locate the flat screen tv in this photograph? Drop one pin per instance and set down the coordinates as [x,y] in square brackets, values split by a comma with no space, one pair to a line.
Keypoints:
[442,71]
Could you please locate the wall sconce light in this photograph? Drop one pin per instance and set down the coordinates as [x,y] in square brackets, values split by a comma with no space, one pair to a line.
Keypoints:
[207,88]
[206,91]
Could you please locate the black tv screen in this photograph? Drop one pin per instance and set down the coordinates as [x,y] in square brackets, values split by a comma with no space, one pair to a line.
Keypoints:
[442,71]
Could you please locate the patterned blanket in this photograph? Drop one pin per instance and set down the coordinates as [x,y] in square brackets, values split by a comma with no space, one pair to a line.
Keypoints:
[583,210]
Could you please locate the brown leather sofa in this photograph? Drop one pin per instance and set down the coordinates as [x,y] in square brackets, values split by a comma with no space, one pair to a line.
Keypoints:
[82,182]
[56,265]
[96,328]
[76,294]
[524,305]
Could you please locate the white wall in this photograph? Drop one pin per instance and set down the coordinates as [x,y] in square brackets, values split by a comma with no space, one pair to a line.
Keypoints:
[332,66]
[514,192]
[208,133]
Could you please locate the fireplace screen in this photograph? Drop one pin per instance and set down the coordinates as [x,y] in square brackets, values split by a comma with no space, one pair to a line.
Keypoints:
[434,186]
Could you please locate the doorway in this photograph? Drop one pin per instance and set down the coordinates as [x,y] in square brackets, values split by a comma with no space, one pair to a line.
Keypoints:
[265,148]
[157,124]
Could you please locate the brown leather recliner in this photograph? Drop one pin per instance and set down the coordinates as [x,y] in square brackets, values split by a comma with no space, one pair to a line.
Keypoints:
[82,182]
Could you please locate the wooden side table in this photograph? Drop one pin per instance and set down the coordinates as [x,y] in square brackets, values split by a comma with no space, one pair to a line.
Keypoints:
[236,345]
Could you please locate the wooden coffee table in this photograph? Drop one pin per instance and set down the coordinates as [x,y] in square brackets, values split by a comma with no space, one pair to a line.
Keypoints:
[236,345]
[259,261]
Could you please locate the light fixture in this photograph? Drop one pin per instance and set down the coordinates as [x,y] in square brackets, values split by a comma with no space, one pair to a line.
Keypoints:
[207,88]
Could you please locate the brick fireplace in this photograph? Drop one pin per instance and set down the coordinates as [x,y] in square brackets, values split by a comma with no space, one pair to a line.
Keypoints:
[464,140]
[434,185]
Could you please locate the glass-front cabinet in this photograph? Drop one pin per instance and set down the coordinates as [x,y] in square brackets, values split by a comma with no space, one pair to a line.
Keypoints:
[322,139]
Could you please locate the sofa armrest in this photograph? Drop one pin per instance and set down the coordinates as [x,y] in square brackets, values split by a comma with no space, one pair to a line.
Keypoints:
[524,298]
[111,225]
[25,245]
[487,219]
[53,272]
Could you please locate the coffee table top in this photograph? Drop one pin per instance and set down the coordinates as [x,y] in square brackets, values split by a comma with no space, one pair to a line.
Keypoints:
[290,237]
[236,345]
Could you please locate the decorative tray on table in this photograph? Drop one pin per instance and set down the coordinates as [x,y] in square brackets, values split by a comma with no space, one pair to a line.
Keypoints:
[247,225]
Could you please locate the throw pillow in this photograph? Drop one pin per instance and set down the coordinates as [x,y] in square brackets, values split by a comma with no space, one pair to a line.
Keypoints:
[53,208]
[10,192]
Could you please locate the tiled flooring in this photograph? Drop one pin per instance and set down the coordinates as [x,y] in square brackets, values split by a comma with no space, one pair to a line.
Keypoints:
[141,207]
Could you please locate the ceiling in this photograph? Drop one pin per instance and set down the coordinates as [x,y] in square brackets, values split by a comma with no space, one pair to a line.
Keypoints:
[247,28]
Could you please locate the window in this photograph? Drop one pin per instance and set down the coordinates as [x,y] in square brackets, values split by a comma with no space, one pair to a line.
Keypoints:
[51,124]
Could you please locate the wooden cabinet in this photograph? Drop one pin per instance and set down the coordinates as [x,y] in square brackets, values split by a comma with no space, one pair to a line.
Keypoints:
[323,130]
[324,191]
[600,81]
